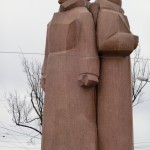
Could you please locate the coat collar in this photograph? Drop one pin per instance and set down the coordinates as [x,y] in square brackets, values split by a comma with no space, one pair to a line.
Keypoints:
[70,4]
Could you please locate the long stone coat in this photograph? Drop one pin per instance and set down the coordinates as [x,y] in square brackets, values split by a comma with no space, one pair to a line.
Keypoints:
[115,43]
[70,109]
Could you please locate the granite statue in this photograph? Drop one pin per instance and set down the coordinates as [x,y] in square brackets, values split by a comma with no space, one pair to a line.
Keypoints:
[87,79]
[70,74]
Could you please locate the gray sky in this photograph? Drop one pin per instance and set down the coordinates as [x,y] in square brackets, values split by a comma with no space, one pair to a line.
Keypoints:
[23,26]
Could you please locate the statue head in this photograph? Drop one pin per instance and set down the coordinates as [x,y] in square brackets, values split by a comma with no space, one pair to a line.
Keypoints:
[118,2]
[61,1]
[68,4]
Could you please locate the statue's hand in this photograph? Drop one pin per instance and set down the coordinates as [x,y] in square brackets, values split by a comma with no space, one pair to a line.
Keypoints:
[88,80]
[42,82]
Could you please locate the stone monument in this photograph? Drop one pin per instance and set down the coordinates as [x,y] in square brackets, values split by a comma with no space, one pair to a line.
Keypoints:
[70,73]
[84,110]
[115,43]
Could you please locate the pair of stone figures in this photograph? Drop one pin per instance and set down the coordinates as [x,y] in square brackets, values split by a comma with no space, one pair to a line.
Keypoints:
[87,78]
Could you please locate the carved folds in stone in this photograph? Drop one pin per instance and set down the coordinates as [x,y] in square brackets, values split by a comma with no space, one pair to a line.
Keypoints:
[113,31]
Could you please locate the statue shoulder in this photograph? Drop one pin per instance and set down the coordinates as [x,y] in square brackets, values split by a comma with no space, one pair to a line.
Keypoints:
[81,10]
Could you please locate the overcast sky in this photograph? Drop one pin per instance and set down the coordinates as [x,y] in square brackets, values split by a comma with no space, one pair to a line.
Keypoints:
[23,28]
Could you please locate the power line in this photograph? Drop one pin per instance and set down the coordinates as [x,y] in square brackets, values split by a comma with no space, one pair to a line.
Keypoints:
[142,143]
[7,52]
[24,53]
[16,139]
[19,132]
[7,141]
[20,135]
[18,147]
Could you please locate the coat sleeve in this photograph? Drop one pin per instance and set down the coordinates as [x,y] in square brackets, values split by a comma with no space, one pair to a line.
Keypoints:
[89,59]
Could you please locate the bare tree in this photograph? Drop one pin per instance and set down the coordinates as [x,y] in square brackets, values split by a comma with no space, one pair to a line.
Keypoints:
[27,111]
[140,76]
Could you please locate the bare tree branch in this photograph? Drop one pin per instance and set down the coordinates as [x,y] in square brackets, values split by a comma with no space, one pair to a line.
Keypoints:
[140,77]
[27,111]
